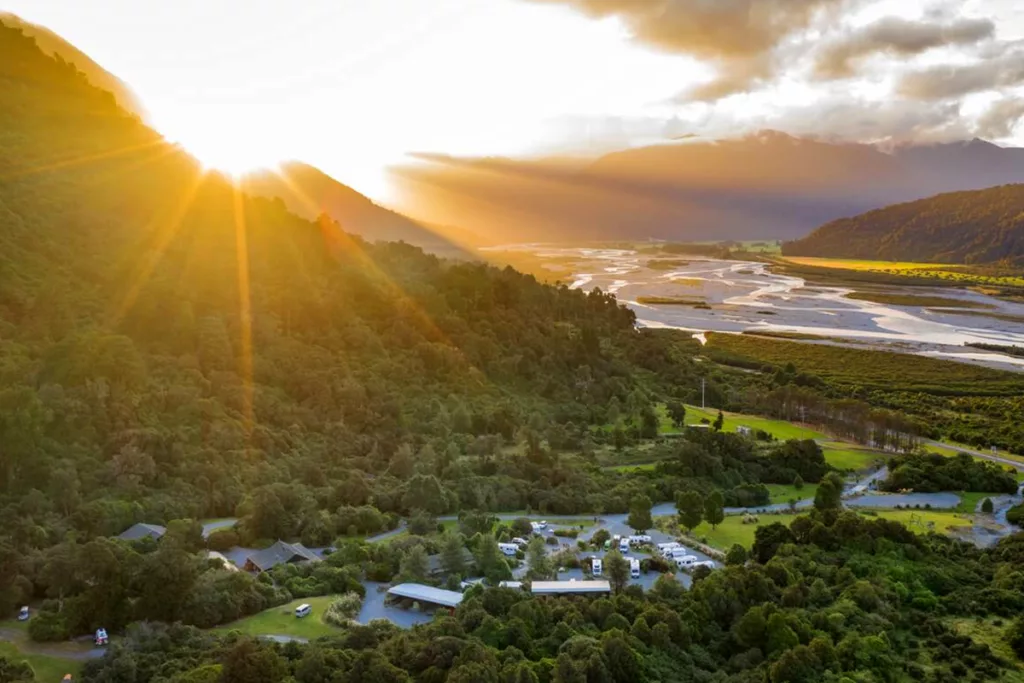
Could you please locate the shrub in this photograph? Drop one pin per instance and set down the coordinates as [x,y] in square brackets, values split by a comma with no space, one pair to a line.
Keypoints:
[48,627]
[222,539]
[344,609]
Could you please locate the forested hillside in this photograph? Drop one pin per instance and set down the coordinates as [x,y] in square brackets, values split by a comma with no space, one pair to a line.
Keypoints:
[982,226]
[169,344]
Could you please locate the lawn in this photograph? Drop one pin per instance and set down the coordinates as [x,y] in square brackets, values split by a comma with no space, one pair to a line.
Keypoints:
[47,669]
[281,621]
[732,530]
[991,632]
[780,429]
[646,467]
[943,521]
[849,457]
[783,493]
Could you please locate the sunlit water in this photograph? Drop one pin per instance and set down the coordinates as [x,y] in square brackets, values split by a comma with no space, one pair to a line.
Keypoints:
[747,296]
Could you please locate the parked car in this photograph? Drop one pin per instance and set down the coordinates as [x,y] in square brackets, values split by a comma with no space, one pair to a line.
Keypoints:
[23,614]
[101,637]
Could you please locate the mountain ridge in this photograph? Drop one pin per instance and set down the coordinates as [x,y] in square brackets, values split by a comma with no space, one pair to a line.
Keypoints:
[969,227]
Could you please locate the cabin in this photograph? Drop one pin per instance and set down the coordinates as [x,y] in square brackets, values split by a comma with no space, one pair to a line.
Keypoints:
[435,563]
[137,532]
[279,553]
[570,587]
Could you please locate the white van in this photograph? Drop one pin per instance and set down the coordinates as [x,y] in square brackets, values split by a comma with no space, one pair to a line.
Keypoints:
[303,610]
[508,549]
[624,545]
[634,568]
[539,526]
[674,552]
[686,561]
[596,567]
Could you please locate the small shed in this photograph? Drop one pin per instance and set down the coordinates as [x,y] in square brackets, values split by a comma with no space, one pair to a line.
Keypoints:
[426,594]
[139,531]
[571,587]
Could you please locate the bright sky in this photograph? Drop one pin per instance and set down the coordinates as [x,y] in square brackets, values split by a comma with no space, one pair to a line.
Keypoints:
[353,85]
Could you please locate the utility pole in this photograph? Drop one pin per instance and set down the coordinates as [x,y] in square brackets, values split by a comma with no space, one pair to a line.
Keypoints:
[702,393]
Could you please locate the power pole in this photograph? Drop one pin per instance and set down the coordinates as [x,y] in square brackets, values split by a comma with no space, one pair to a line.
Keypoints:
[702,393]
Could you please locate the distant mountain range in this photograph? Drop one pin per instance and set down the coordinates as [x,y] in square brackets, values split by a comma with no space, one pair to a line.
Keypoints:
[768,185]
[309,192]
[980,226]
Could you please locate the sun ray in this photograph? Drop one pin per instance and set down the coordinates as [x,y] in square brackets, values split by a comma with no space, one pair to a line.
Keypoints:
[164,234]
[245,308]
[79,160]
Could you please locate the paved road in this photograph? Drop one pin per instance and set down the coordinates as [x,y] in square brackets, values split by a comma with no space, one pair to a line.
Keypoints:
[979,454]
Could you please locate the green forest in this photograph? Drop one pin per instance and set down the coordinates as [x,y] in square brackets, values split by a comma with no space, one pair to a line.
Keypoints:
[974,227]
[173,349]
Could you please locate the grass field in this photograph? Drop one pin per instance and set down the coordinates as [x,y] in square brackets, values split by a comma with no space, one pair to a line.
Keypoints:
[646,467]
[780,429]
[783,493]
[947,273]
[47,669]
[281,621]
[732,530]
[943,521]
[844,456]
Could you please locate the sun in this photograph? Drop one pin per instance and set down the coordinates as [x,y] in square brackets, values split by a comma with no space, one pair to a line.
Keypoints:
[225,141]
[228,154]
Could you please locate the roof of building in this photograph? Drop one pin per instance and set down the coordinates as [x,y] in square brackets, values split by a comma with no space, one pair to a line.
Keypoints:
[560,587]
[140,530]
[280,553]
[435,596]
[511,584]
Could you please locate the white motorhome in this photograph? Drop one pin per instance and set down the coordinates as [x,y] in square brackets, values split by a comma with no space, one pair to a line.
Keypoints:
[539,526]
[674,552]
[686,561]
[520,541]
[639,540]
[596,566]
[508,549]
[706,563]
[662,547]
[303,610]
[624,545]
[634,568]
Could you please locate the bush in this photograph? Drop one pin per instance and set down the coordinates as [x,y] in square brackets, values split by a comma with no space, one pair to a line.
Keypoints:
[48,627]
[222,539]
[344,609]
[567,533]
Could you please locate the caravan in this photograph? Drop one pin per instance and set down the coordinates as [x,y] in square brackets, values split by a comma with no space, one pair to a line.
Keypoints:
[596,567]
[675,550]
[686,562]
[624,545]
[508,549]
[634,568]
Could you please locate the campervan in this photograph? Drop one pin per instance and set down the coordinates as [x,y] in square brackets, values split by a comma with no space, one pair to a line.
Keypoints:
[624,545]
[706,563]
[520,541]
[596,566]
[303,610]
[640,540]
[634,568]
[539,526]
[673,552]
[662,547]
[686,561]
[508,549]
[101,637]
[23,614]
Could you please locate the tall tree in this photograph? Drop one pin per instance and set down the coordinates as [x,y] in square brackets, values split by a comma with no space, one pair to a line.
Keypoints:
[540,566]
[714,508]
[640,514]
[617,567]
[677,413]
[719,422]
[690,509]
[452,558]
[414,565]
[829,495]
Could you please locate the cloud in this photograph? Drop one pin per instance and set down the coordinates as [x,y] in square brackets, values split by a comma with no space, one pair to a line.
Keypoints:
[1001,119]
[1005,70]
[898,37]
[739,35]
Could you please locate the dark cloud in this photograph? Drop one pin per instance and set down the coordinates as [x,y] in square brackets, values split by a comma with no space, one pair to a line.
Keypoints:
[1005,70]
[738,35]
[900,37]
[1001,119]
